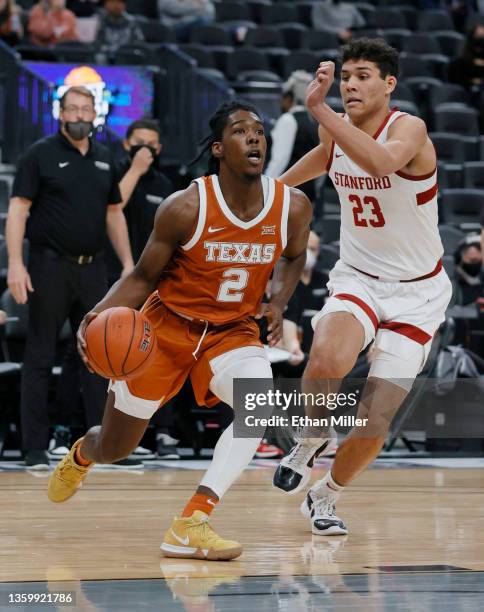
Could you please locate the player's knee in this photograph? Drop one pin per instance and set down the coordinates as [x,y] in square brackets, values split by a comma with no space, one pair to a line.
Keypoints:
[327,366]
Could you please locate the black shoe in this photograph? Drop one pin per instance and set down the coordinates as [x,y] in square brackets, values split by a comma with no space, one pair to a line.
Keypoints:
[60,444]
[127,464]
[165,447]
[37,460]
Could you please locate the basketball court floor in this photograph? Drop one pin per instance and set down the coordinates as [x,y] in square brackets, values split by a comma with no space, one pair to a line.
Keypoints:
[415,542]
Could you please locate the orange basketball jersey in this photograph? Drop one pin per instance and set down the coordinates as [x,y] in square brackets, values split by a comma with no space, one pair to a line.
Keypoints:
[220,274]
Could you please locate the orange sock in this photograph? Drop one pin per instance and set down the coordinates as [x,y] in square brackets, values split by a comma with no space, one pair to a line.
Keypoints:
[200,501]
[79,459]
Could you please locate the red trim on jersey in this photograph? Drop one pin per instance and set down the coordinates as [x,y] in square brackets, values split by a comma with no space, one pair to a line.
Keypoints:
[363,305]
[330,159]
[411,177]
[434,272]
[385,121]
[410,331]
[424,197]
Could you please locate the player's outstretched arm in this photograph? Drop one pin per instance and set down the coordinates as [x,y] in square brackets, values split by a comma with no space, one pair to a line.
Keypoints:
[309,167]
[289,268]
[174,222]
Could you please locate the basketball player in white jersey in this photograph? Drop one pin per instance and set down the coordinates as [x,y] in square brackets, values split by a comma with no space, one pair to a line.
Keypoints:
[388,286]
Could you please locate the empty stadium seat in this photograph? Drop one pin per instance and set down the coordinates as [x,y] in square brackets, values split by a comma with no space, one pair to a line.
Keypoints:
[148,8]
[449,147]
[387,18]
[448,92]
[462,207]
[421,42]
[210,35]
[474,174]
[156,32]
[451,43]
[451,237]
[232,11]
[251,60]
[315,40]
[4,195]
[293,34]
[202,55]
[265,37]
[278,13]
[300,60]
[455,117]
[430,21]
[403,92]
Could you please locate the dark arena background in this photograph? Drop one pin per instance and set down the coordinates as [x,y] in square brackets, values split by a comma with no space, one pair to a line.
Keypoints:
[416,516]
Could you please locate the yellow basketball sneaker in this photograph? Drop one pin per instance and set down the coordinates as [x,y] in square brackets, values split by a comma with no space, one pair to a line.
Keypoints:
[192,537]
[67,477]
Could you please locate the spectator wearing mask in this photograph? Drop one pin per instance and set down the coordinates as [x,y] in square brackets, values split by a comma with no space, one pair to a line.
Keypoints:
[468,270]
[117,27]
[337,17]
[183,15]
[65,198]
[51,23]
[295,132]
[11,30]
[468,70]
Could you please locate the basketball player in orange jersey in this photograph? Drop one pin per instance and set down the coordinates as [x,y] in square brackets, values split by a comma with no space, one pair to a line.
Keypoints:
[388,286]
[201,277]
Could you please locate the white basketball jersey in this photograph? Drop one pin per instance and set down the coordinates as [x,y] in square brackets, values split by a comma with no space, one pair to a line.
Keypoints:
[389,224]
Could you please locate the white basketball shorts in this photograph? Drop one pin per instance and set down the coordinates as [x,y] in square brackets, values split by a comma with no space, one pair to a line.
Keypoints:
[401,318]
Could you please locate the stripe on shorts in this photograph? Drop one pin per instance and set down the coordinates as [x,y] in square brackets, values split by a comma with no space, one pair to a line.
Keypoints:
[370,313]
[410,331]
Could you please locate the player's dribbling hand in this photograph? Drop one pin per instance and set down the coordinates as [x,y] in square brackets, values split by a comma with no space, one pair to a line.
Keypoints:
[81,338]
[318,88]
[273,315]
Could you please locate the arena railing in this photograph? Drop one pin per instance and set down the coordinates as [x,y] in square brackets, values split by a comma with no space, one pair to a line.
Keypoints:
[186,98]
[26,112]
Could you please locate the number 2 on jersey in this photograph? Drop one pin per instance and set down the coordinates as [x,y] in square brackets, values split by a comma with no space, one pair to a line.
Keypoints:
[231,289]
[377,219]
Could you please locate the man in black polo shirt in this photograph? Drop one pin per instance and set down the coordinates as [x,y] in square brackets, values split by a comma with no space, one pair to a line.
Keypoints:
[142,185]
[64,199]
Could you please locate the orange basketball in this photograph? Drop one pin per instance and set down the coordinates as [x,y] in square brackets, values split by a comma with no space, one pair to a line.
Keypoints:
[120,342]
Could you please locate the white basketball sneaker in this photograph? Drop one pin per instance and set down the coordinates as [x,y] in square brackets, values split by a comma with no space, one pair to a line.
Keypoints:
[294,471]
[321,512]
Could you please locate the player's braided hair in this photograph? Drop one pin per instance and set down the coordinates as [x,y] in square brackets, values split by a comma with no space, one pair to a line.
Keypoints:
[217,123]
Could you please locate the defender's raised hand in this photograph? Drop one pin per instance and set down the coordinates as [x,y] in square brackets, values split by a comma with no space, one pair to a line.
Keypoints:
[319,87]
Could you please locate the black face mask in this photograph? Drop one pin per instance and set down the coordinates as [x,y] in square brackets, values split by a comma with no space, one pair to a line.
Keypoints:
[135,148]
[78,130]
[472,269]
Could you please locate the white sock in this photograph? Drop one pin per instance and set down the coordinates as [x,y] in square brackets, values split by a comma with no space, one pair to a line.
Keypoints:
[230,458]
[327,487]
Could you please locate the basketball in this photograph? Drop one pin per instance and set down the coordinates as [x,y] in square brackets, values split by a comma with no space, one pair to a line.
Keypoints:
[120,343]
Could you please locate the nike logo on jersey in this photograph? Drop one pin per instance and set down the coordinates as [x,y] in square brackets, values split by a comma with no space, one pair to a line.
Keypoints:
[239,252]
[185,541]
[209,501]
[63,164]
[338,155]
[211,229]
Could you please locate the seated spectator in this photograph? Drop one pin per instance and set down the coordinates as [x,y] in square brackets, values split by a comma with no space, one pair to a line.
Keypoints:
[337,17]
[183,15]
[11,30]
[51,23]
[295,132]
[468,270]
[117,27]
[468,70]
